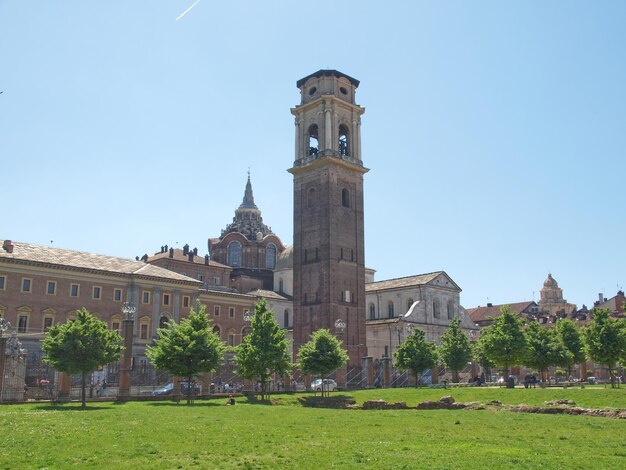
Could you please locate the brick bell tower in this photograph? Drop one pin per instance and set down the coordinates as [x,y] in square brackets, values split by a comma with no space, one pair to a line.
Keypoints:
[328,253]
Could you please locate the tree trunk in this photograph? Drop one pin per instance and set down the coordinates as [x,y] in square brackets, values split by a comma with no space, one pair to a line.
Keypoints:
[82,392]
[455,376]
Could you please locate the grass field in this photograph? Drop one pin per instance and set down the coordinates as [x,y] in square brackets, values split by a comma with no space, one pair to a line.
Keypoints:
[286,435]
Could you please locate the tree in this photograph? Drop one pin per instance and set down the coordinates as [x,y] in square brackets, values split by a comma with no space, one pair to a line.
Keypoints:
[605,340]
[264,350]
[321,355]
[187,348]
[504,342]
[455,349]
[416,354]
[80,346]
[571,337]
[479,356]
[545,348]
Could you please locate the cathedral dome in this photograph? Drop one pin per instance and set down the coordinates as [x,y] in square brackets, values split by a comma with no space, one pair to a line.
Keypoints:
[285,259]
[550,282]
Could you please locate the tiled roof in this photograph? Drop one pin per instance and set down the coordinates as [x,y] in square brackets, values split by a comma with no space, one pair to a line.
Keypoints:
[178,256]
[268,294]
[78,260]
[481,314]
[409,281]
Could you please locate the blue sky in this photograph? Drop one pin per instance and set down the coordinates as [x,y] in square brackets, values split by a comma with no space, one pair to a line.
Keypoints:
[494,131]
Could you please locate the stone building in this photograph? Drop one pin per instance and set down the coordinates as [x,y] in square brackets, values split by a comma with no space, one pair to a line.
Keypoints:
[552,301]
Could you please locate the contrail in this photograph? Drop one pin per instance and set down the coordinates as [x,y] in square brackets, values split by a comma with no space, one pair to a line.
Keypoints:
[187,10]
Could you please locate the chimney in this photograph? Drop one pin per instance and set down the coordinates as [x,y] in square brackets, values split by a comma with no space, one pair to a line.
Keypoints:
[206,259]
[144,258]
[191,256]
[8,246]
[185,250]
[195,251]
[171,252]
[489,304]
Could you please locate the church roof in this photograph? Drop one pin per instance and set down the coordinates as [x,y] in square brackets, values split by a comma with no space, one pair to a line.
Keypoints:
[550,281]
[180,256]
[268,294]
[248,220]
[409,281]
[26,253]
[327,73]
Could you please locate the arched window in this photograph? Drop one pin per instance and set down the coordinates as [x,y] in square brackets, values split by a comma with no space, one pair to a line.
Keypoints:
[372,309]
[286,318]
[281,285]
[311,197]
[450,310]
[345,197]
[163,321]
[436,312]
[270,256]
[246,331]
[390,309]
[344,141]
[409,303]
[234,254]
[314,145]
[217,331]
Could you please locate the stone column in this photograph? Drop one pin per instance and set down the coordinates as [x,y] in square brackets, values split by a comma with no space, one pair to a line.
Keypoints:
[386,371]
[340,375]
[3,346]
[63,387]
[368,372]
[126,360]
[328,129]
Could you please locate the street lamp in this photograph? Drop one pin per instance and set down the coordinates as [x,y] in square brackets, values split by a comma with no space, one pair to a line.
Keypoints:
[248,316]
[129,309]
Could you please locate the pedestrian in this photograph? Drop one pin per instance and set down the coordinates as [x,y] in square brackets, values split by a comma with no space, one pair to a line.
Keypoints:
[98,389]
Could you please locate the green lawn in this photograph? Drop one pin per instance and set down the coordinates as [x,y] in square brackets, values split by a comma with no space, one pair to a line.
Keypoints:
[210,435]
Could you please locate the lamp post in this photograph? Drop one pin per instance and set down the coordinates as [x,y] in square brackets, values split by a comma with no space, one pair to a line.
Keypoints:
[340,328]
[4,326]
[128,309]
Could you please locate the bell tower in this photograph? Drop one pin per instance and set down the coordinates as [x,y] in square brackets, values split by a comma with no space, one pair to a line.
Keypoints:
[328,254]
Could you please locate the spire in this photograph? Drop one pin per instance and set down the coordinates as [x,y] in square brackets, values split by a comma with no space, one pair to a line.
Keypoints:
[248,197]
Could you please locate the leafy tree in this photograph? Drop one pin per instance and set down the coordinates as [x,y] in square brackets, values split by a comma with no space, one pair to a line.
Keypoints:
[455,349]
[479,356]
[605,340]
[264,350]
[504,342]
[572,339]
[545,348]
[187,348]
[416,354]
[81,346]
[321,355]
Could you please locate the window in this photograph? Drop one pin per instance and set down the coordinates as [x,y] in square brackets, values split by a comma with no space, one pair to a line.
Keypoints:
[345,197]
[372,312]
[270,256]
[74,290]
[145,297]
[186,301]
[116,322]
[450,310]
[234,254]
[436,312]
[280,285]
[314,145]
[47,323]
[26,284]
[344,142]
[143,331]
[51,288]
[216,281]
[246,331]
[3,280]
[390,309]
[286,318]
[311,198]
[231,337]
[409,303]
[217,331]
[22,324]
[231,312]
[166,299]
[97,291]
[117,295]
[163,322]
[216,310]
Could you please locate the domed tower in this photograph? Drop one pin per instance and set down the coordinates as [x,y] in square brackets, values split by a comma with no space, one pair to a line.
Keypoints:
[552,301]
[248,246]
[328,251]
